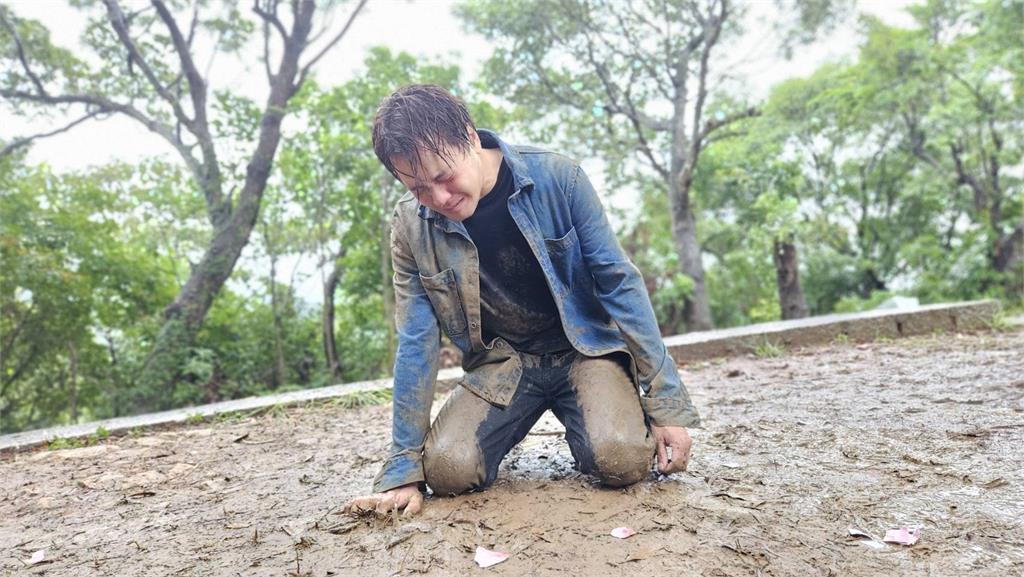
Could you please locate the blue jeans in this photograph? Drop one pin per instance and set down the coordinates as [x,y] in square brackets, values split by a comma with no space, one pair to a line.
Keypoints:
[594,398]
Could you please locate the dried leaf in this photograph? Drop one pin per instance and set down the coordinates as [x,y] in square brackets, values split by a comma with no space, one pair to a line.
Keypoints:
[994,483]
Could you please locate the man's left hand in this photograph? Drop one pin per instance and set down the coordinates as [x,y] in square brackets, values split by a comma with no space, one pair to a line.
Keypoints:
[673,448]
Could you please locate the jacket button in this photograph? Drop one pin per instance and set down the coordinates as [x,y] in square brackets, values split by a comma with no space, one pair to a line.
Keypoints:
[473,324]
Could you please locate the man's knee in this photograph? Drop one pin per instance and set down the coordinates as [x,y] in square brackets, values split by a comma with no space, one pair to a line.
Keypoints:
[453,468]
[616,431]
[621,461]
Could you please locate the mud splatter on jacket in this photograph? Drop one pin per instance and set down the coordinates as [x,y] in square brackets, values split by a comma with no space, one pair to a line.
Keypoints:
[599,293]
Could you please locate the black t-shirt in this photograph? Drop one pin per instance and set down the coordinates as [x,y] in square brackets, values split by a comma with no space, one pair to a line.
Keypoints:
[515,301]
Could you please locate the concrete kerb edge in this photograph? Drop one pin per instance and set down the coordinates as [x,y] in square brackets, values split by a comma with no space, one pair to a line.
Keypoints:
[857,327]
[871,325]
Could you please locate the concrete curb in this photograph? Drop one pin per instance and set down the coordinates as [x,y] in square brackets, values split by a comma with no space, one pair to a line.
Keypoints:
[865,326]
[857,327]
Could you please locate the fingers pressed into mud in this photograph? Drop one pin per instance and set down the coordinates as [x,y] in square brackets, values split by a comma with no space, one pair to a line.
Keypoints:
[362,504]
[386,504]
[415,504]
[663,463]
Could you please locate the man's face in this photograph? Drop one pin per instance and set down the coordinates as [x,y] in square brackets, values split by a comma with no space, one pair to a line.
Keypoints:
[451,186]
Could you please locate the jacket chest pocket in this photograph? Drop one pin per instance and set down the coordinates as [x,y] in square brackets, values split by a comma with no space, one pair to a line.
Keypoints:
[566,257]
[444,296]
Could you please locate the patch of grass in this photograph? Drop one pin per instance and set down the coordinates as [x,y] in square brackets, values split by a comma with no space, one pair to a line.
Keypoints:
[999,323]
[195,419]
[229,418]
[883,340]
[841,339]
[363,399]
[58,443]
[276,411]
[136,432]
[769,350]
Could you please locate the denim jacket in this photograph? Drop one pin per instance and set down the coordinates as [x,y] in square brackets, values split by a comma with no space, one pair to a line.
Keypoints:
[599,293]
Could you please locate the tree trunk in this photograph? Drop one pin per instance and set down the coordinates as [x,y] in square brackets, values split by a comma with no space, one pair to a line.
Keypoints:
[787,274]
[685,153]
[330,345]
[696,309]
[1009,258]
[185,315]
[279,373]
[870,283]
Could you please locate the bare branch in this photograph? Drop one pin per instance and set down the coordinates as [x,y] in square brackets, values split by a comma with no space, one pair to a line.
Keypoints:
[21,53]
[266,53]
[25,140]
[964,176]
[8,345]
[636,56]
[337,38]
[208,175]
[192,27]
[713,125]
[917,141]
[105,105]
[711,38]
[271,18]
[120,25]
[196,85]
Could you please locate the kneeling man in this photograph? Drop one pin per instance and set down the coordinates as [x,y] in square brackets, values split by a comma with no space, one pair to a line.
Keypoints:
[507,250]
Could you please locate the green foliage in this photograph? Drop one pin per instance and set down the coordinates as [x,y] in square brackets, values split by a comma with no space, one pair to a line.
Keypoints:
[74,288]
[853,304]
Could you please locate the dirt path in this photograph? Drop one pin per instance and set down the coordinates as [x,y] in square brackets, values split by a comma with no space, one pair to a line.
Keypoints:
[795,451]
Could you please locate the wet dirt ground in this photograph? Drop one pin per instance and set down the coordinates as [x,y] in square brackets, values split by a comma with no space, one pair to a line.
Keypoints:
[795,451]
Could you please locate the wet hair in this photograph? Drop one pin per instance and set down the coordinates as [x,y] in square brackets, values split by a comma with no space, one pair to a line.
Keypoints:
[417,118]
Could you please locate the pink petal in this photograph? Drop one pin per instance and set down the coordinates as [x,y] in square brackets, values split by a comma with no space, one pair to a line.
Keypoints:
[486,557]
[903,535]
[623,532]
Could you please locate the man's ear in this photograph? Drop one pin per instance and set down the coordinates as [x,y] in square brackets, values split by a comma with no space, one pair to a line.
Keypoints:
[474,138]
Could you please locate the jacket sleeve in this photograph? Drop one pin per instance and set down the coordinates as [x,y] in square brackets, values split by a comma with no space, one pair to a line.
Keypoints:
[416,362]
[621,290]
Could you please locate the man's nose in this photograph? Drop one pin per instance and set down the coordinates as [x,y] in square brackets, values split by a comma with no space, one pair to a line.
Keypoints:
[441,196]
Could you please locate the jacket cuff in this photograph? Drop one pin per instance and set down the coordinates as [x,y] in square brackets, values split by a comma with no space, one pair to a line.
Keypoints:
[400,469]
[669,412]
[666,402]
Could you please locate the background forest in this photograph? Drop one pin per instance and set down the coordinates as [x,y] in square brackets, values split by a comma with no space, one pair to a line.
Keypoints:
[183,279]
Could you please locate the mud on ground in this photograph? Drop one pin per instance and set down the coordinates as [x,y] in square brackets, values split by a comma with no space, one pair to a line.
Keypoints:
[795,451]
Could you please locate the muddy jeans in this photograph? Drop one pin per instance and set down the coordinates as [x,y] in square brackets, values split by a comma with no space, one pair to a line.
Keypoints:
[594,398]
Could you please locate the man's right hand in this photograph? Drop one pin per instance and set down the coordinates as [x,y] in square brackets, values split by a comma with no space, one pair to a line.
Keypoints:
[406,498]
